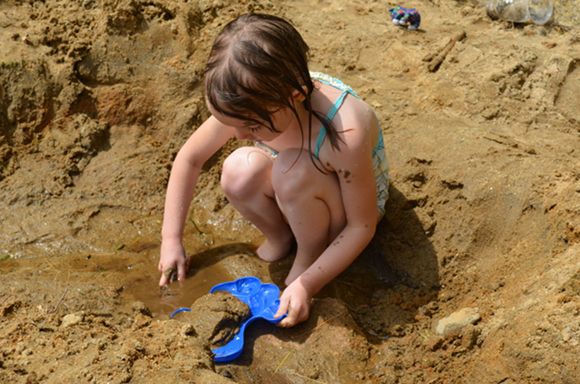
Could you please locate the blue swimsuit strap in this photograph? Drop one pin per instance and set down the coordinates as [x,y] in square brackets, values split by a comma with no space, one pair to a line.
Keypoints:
[346,90]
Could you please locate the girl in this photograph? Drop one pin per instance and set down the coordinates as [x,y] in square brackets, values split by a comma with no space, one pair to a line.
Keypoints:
[316,176]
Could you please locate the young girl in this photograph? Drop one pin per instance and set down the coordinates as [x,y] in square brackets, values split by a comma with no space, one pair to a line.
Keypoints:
[316,175]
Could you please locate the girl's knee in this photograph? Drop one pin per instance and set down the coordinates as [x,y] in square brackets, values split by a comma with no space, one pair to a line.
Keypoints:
[292,173]
[242,171]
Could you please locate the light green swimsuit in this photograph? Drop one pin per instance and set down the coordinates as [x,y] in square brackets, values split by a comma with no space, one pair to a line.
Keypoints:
[380,163]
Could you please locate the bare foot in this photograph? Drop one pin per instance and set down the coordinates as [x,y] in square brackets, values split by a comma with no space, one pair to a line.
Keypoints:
[271,251]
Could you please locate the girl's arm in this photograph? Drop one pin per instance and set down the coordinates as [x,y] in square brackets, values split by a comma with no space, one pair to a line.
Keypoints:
[354,167]
[358,189]
[202,144]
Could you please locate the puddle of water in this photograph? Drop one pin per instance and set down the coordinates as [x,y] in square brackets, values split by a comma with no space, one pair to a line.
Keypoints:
[205,272]
[163,301]
[134,268]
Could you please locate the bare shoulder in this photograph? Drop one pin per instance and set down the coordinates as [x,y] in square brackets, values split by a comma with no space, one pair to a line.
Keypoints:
[357,112]
[357,124]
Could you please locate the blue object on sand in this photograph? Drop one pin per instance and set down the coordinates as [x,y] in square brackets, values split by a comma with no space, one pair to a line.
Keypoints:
[406,17]
[263,299]
[179,310]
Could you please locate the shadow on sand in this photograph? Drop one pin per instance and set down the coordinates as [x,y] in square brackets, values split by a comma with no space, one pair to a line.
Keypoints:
[396,275]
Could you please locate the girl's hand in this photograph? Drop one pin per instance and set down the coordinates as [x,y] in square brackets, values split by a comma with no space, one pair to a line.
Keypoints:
[173,263]
[296,301]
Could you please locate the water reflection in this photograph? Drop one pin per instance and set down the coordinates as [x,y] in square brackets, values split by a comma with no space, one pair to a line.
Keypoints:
[163,301]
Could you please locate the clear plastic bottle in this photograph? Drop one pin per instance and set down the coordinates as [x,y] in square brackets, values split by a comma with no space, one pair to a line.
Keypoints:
[541,11]
[521,11]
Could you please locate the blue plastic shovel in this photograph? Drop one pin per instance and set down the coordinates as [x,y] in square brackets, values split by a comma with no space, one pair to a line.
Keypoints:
[263,299]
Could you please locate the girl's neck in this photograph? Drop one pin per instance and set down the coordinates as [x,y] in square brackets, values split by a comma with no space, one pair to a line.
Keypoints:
[305,115]
[297,128]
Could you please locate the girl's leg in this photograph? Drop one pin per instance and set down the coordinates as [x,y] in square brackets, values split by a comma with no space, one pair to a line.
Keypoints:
[246,181]
[312,204]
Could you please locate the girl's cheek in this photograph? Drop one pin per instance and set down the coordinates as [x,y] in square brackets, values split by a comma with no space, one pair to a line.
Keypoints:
[243,135]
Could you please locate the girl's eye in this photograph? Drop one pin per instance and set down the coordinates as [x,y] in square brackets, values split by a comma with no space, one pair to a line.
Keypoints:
[253,128]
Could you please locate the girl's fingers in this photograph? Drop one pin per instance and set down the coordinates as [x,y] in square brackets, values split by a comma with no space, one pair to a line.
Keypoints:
[292,318]
[295,316]
[186,265]
[181,271]
[163,280]
[283,307]
[168,275]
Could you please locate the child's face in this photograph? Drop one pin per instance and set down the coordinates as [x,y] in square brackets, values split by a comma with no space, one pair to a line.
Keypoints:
[250,130]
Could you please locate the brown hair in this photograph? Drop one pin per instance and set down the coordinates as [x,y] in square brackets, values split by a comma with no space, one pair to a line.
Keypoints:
[255,64]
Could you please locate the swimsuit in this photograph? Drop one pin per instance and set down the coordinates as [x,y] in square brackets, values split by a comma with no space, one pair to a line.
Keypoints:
[380,165]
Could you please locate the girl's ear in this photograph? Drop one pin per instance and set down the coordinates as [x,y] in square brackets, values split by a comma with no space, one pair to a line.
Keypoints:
[297,96]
